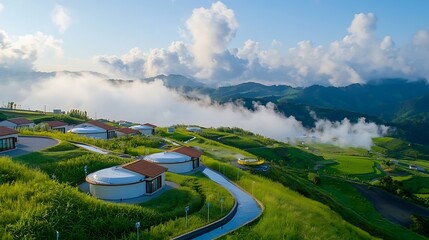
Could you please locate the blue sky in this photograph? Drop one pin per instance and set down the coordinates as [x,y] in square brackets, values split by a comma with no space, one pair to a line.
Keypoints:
[112,28]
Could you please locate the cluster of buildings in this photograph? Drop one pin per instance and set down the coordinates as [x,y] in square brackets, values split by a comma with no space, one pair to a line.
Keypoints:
[93,129]
[143,176]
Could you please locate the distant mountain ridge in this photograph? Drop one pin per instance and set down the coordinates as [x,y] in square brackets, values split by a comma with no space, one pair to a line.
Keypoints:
[397,102]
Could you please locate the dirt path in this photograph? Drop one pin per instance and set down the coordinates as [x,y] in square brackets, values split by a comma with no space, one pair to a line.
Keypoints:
[393,208]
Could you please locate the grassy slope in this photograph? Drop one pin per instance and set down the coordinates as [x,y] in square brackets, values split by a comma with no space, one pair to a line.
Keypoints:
[396,148]
[288,215]
[338,194]
[38,116]
[34,206]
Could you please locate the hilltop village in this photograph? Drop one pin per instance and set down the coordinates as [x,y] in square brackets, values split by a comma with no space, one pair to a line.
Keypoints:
[188,181]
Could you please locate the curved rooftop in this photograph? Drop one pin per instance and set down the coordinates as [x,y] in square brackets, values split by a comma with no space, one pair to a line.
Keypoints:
[114,176]
[141,127]
[83,130]
[167,157]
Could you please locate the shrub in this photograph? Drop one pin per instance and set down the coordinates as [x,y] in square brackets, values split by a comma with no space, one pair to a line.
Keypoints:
[314,178]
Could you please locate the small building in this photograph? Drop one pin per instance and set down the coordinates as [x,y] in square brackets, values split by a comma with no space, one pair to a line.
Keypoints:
[193,153]
[57,111]
[193,129]
[17,123]
[94,129]
[145,129]
[127,181]
[126,124]
[126,132]
[179,160]
[8,138]
[58,126]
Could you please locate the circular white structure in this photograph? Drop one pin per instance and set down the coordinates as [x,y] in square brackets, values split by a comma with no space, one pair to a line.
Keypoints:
[116,183]
[194,129]
[173,161]
[143,129]
[92,132]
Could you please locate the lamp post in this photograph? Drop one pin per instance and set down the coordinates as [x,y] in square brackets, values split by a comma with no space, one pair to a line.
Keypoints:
[208,212]
[186,212]
[137,227]
[221,205]
[85,168]
[58,235]
[253,183]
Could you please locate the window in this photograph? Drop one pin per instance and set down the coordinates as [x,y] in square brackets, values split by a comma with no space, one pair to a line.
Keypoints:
[154,184]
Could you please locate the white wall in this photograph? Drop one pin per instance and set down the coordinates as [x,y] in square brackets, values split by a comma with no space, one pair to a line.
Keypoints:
[178,167]
[118,192]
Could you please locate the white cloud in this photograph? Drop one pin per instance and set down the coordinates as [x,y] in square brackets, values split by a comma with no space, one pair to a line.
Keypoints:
[19,54]
[61,17]
[1,7]
[345,133]
[152,102]
[211,30]
[358,57]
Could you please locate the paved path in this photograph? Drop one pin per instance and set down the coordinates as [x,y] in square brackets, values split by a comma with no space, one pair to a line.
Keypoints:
[27,145]
[91,148]
[247,211]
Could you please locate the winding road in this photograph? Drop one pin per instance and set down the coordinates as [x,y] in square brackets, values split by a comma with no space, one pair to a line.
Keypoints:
[247,210]
[247,207]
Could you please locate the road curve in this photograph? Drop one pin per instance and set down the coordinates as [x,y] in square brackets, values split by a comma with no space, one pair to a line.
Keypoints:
[247,208]
[247,211]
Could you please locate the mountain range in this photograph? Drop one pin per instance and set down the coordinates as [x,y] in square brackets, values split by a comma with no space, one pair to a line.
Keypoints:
[400,103]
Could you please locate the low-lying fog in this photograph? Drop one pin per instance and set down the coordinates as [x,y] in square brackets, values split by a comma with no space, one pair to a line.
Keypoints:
[154,103]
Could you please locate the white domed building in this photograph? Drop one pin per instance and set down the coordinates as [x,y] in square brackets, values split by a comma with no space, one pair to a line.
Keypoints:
[94,129]
[130,180]
[145,129]
[179,160]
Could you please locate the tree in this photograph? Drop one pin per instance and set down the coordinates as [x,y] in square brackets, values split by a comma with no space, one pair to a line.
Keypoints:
[314,178]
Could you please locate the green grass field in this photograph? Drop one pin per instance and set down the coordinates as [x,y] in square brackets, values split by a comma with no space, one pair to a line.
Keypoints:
[396,148]
[287,214]
[39,116]
[417,184]
[352,165]
[34,205]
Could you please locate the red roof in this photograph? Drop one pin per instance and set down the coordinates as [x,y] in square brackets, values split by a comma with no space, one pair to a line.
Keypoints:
[150,125]
[4,131]
[145,168]
[101,125]
[127,131]
[56,123]
[188,151]
[19,121]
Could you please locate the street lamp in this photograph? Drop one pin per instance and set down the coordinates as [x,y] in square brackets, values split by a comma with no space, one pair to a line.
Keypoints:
[186,212]
[58,235]
[253,183]
[137,227]
[208,212]
[221,205]
[85,168]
